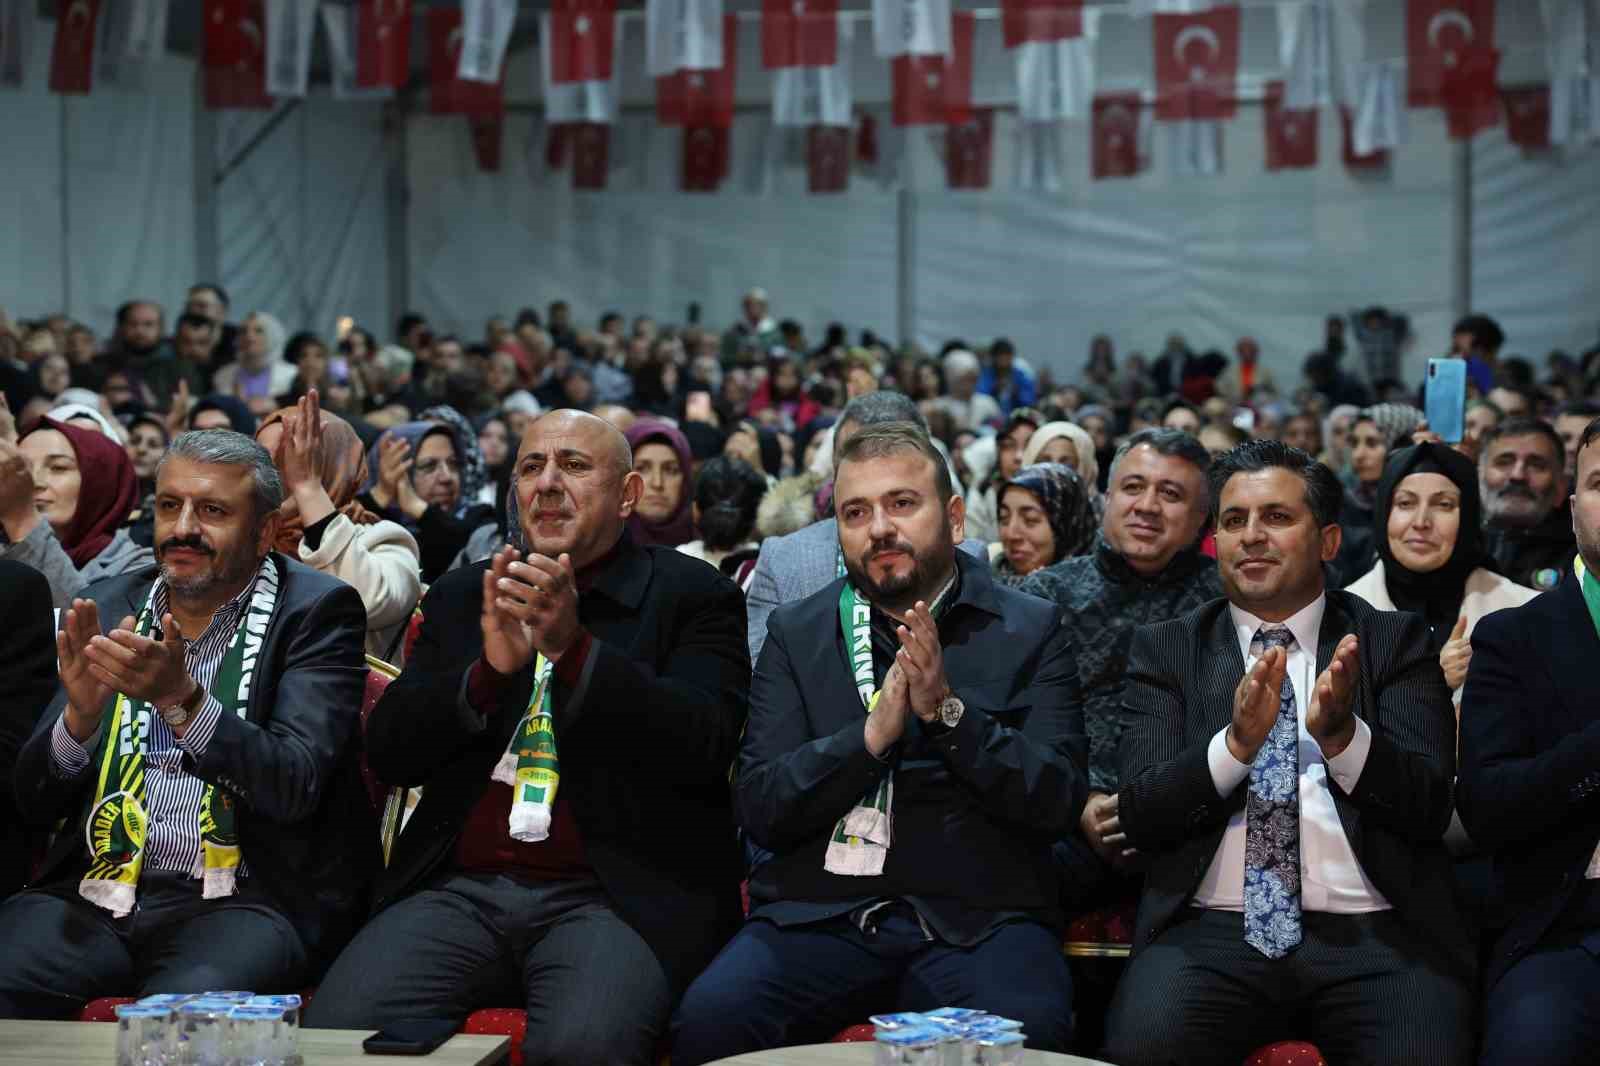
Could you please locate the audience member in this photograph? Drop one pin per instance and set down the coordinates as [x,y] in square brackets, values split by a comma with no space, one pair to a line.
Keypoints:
[1219,437]
[1481,417]
[983,501]
[222,412]
[1070,445]
[727,496]
[1375,431]
[419,484]
[1045,516]
[215,730]
[967,407]
[749,340]
[1302,430]
[1145,568]
[1570,422]
[28,681]
[971,757]
[535,864]
[1007,379]
[1527,518]
[1296,883]
[1243,376]
[662,459]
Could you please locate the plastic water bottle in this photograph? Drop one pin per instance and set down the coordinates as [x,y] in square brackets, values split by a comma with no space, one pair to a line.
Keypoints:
[144,1035]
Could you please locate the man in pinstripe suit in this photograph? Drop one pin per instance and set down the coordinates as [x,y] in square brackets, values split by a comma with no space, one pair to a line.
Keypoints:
[1286,771]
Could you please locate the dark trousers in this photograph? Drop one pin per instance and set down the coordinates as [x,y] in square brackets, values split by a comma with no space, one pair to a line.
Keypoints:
[1545,1010]
[593,989]
[1360,987]
[61,950]
[773,986]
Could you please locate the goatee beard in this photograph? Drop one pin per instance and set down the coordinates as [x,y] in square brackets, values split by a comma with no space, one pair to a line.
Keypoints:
[898,594]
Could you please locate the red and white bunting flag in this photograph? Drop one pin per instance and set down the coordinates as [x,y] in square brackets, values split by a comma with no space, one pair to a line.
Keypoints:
[800,33]
[573,102]
[16,22]
[705,157]
[383,43]
[867,141]
[1380,118]
[1194,147]
[132,37]
[1528,116]
[828,159]
[1574,66]
[488,132]
[221,43]
[911,28]
[935,89]
[449,94]
[1438,34]
[682,35]
[485,32]
[1040,21]
[235,37]
[816,96]
[1468,93]
[1116,141]
[1197,64]
[1353,160]
[702,97]
[290,24]
[590,144]
[969,151]
[72,55]
[337,32]
[1291,133]
[582,40]
[1055,79]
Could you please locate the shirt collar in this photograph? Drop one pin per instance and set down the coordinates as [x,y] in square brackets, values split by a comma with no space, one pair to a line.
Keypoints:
[1305,624]
[228,613]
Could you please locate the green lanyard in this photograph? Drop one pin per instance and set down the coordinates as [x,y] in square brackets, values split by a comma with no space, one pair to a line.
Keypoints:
[1591,591]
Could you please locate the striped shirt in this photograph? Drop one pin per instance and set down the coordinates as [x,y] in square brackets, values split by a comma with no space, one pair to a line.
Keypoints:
[173,796]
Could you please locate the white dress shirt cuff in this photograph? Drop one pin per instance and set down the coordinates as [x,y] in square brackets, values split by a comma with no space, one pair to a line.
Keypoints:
[1228,773]
[1346,766]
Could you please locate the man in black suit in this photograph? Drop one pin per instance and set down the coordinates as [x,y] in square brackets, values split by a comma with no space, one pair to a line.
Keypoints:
[915,747]
[1286,770]
[571,714]
[203,752]
[27,682]
[1530,771]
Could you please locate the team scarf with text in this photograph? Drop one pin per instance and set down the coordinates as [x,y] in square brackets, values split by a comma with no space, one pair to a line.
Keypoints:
[860,840]
[1591,591]
[529,764]
[118,826]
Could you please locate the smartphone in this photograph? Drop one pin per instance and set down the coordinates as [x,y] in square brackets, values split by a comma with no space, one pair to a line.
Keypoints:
[1445,399]
[416,1036]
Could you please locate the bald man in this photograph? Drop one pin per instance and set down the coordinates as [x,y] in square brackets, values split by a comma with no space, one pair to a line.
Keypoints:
[571,714]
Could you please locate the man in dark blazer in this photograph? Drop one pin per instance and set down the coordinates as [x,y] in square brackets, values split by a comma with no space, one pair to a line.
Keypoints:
[1530,794]
[908,861]
[598,925]
[1286,771]
[212,730]
[27,682]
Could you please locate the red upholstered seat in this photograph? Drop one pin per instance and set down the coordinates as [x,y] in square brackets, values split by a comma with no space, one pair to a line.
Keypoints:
[103,1009]
[379,674]
[500,1021]
[1102,933]
[1287,1053]
[855,1034]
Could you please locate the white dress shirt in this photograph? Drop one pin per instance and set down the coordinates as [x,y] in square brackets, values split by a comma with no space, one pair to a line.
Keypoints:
[1331,878]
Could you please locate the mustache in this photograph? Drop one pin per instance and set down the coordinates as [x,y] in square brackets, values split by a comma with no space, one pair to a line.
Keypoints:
[194,544]
[1515,488]
[890,546]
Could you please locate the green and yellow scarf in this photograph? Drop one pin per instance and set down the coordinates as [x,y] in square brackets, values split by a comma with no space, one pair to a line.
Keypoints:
[529,764]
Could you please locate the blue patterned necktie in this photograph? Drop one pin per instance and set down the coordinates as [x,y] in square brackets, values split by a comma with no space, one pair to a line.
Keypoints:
[1272,824]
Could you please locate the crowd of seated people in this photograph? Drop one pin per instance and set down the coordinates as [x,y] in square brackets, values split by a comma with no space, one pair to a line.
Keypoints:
[747,688]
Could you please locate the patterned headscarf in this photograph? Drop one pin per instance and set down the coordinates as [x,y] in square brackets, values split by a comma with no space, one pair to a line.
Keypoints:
[1066,506]
[1394,420]
[474,471]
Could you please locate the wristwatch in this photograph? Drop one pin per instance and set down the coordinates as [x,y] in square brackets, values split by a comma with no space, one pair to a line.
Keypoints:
[950,710]
[178,713]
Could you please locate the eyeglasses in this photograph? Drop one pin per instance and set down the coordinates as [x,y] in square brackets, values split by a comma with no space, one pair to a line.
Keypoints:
[432,466]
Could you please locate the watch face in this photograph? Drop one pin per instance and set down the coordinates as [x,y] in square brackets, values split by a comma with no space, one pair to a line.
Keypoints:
[950,710]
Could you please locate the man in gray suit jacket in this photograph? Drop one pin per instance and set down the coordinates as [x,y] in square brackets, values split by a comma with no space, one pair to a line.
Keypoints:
[791,568]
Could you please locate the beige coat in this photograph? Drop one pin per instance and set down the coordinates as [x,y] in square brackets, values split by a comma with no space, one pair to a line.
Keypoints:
[382,563]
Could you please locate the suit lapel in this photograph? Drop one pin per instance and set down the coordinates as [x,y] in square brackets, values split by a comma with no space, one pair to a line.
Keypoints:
[1222,672]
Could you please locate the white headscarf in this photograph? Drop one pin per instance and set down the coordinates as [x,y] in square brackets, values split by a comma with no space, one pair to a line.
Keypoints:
[277,335]
[66,412]
[1088,467]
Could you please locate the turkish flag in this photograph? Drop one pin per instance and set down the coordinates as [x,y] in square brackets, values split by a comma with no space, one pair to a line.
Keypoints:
[557,139]
[936,90]
[448,94]
[705,157]
[702,97]
[1467,90]
[867,141]
[1437,33]
[1114,149]
[1291,133]
[591,154]
[1528,116]
[222,44]
[827,159]
[486,137]
[72,55]
[241,83]
[1022,21]
[582,40]
[1352,161]
[799,33]
[383,43]
[1197,64]
[968,149]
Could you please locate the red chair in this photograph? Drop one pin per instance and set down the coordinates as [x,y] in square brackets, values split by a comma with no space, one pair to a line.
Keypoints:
[379,674]
[1102,934]
[855,1034]
[500,1021]
[1287,1053]
[103,1009]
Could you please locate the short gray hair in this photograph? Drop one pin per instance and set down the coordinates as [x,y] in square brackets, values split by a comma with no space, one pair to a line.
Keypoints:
[224,447]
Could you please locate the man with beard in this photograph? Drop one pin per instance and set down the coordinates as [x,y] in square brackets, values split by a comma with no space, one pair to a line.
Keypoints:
[203,753]
[914,745]
[1527,522]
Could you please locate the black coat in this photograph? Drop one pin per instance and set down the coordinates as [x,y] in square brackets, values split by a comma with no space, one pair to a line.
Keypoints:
[27,681]
[307,830]
[1181,680]
[975,810]
[645,741]
[1530,758]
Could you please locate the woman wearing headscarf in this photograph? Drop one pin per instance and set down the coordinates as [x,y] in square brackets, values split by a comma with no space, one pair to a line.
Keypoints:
[661,455]
[223,412]
[323,525]
[1099,423]
[1376,431]
[261,373]
[476,484]
[415,477]
[983,500]
[1045,517]
[70,525]
[756,446]
[1070,444]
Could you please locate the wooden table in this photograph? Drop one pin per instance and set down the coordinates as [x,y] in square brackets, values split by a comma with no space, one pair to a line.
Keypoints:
[860,1054]
[95,1044]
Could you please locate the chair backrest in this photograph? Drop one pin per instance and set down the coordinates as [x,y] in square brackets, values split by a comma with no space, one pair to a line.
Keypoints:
[379,674]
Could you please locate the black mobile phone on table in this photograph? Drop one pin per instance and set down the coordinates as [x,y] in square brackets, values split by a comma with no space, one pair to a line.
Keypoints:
[416,1036]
